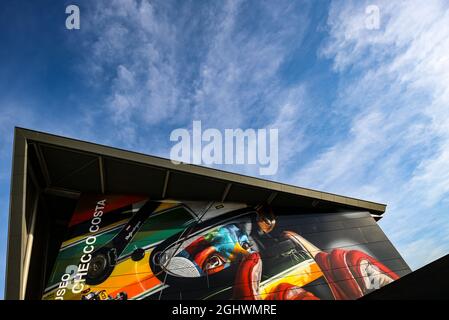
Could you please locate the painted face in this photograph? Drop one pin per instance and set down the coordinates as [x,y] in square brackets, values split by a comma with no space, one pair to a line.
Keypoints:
[216,250]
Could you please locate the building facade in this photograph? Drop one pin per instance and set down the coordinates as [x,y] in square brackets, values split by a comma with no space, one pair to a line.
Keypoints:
[92,222]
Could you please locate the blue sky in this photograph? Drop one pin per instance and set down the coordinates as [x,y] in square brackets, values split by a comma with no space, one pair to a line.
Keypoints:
[360,112]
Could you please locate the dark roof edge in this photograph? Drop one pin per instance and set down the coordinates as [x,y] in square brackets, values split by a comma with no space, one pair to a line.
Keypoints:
[95,148]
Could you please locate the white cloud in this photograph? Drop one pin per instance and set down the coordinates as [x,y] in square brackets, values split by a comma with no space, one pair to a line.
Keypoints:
[240,68]
[133,50]
[165,64]
[423,251]
[395,95]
